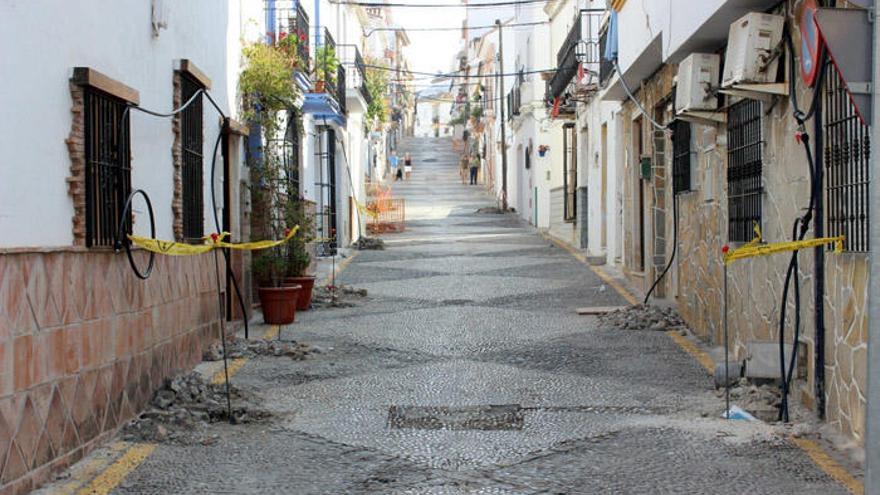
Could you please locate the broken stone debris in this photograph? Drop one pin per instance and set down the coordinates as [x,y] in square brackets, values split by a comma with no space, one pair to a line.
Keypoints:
[643,317]
[237,347]
[369,244]
[182,410]
[761,401]
[340,296]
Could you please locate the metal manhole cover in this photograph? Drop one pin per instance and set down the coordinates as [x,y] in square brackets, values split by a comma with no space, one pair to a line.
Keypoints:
[485,418]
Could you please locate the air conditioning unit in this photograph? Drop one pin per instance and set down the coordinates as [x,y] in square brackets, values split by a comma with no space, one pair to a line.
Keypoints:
[698,74]
[750,44]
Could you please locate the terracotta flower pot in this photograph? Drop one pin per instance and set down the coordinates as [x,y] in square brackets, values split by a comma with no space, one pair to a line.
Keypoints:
[305,295]
[279,304]
[319,86]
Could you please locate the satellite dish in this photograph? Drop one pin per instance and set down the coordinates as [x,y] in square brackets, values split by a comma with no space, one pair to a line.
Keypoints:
[811,42]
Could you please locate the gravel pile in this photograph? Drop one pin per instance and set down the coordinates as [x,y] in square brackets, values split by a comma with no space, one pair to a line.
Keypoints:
[369,244]
[643,317]
[340,296]
[238,347]
[182,410]
[761,401]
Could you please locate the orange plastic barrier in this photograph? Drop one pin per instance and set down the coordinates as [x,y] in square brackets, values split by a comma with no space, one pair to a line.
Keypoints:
[386,215]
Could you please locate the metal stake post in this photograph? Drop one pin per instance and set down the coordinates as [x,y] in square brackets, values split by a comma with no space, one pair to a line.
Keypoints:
[726,352]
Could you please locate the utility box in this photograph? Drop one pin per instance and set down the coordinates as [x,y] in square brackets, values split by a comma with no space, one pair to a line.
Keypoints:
[762,360]
[698,75]
[750,46]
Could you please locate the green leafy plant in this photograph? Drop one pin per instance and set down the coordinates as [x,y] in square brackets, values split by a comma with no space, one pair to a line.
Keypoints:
[326,64]
[477,113]
[269,267]
[298,259]
[377,86]
[265,83]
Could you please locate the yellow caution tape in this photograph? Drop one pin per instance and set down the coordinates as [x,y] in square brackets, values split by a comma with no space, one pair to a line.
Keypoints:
[213,241]
[754,248]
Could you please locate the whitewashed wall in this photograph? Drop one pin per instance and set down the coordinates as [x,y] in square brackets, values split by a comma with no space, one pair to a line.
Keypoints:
[114,37]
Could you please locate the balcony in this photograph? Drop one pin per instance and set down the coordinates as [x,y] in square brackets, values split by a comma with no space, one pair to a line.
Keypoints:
[327,101]
[356,83]
[288,18]
[579,57]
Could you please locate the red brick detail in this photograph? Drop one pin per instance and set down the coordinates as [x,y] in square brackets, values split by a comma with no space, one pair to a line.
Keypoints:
[76,147]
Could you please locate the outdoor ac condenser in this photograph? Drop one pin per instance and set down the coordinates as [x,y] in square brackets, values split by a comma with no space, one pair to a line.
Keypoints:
[697,76]
[750,44]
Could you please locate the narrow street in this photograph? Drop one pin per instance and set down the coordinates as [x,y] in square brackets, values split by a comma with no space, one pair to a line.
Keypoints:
[467,370]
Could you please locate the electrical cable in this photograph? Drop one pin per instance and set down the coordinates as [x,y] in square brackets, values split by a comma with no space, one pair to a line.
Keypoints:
[457,28]
[801,224]
[674,248]
[632,97]
[439,5]
[457,74]
[120,239]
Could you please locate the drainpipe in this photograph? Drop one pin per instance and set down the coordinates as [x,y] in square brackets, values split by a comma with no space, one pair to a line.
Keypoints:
[317,24]
[872,418]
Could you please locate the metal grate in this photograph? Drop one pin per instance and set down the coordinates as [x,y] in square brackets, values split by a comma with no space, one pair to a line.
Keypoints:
[847,163]
[290,156]
[192,175]
[108,166]
[569,172]
[744,169]
[681,156]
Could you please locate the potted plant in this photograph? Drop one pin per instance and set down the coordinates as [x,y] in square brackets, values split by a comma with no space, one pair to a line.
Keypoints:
[298,258]
[326,65]
[277,299]
[542,150]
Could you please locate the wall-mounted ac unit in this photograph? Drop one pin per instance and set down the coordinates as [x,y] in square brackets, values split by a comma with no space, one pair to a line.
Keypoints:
[750,45]
[698,75]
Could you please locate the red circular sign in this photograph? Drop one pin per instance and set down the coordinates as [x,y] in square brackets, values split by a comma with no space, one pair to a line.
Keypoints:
[811,42]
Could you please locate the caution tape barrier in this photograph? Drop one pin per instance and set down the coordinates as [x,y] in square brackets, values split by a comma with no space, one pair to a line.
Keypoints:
[754,248]
[213,241]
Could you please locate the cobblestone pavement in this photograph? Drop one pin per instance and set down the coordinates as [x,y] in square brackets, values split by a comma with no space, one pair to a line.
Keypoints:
[466,370]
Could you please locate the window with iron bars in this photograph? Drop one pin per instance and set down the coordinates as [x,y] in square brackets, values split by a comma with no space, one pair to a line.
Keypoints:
[192,169]
[745,188]
[569,172]
[681,156]
[847,164]
[108,166]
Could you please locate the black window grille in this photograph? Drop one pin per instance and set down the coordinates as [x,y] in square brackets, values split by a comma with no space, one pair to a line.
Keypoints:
[192,141]
[847,165]
[108,166]
[681,156]
[569,173]
[745,188]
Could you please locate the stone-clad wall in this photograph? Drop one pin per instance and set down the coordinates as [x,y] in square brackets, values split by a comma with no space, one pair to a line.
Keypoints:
[755,285]
[83,345]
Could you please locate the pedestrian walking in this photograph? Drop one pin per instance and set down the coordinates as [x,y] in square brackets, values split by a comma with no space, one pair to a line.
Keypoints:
[407,165]
[395,168]
[475,166]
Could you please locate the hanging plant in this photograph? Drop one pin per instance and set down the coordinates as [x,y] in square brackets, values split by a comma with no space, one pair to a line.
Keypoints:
[266,85]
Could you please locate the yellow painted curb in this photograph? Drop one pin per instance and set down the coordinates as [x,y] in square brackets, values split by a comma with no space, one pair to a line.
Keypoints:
[272,332]
[113,475]
[624,293]
[829,465]
[234,365]
[341,266]
[689,347]
[81,475]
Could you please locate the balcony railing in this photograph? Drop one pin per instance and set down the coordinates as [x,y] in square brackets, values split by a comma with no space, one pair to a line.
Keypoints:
[323,72]
[340,89]
[579,52]
[356,70]
[288,18]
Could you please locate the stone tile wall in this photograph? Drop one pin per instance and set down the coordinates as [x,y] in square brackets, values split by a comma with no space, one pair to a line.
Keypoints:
[83,345]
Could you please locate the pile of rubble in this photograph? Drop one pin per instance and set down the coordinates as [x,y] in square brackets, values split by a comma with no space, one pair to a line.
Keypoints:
[369,244]
[761,401]
[643,317]
[339,296]
[237,347]
[182,410]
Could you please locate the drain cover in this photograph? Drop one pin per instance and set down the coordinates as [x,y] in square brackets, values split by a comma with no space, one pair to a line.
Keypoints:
[485,418]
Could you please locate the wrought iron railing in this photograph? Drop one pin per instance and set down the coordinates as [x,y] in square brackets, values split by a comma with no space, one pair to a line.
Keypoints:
[514,99]
[340,89]
[324,73]
[579,52]
[288,18]
[362,73]
[356,70]
[606,67]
